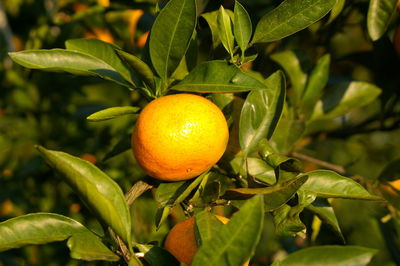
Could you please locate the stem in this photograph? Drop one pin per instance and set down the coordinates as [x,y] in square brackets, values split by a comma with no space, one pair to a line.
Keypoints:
[331,166]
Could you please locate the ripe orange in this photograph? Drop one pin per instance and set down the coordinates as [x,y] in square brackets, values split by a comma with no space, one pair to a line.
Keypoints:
[178,137]
[181,240]
[141,41]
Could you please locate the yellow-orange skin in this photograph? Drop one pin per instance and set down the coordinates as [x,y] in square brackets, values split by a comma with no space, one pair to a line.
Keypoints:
[181,240]
[178,137]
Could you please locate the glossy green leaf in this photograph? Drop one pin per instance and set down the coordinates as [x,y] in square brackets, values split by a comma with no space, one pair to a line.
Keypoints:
[218,76]
[327,215]
[290,17]
[74,62]
[329,255]
[166,193]
[236,241]
[97,190]
[290,62]
[103,51]
[336,10]
[140,67]
[207,226]
[170,194]
[287,220]
[261,113]
[287,133]
[380,12]
[112,112]
[344,97]
[328,184]
[224,25]
[157,256]
[42,228]
[260,170]
[274,196]
[242,27]
[316,83]
[171,34]
[211,18]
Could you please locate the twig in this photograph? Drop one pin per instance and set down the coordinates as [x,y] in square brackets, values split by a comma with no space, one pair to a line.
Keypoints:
[136,190]
[331,166]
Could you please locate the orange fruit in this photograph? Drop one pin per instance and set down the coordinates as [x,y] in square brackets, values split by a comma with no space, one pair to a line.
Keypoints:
[141,41]
[181,240]
[89,157]
[395,184]
[178,137]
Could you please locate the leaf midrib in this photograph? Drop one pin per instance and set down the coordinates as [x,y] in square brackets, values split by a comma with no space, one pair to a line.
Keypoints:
[172,39]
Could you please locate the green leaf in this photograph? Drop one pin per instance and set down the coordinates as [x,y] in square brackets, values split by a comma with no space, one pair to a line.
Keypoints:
[171,34]
[391,171]
[97,190]
[274,196]
[211,18]
[328,184]
[287,220]
[207,226]
[236,241]
[336,10]
[330,255]
[242,26]
[344,97]
[327,215]
[42,228]
[261,113]
[218,76]
[170,194]
[112,112]
[69,61]
[286,134]
[316,83]
[157,256]
[290,62]
[225,30]
[140,67]
[290,17]
[103,51]
[380,13]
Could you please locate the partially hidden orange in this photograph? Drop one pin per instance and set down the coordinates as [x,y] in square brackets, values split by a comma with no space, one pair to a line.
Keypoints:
[178,137]
[181,240]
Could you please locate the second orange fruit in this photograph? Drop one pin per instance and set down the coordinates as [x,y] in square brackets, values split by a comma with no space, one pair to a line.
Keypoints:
[178,137]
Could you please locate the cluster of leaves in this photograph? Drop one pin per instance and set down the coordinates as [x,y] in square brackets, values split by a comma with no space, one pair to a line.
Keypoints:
[260,178]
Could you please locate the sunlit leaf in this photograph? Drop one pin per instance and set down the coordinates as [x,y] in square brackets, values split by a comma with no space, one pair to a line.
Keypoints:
[329,184]
[97,190]
[171,34]
[290,17]
[224,25]
[236,241]
[290,62]
[261,113]
[380,13]
[103,51]
[112,112]
[329,255]
[242,27]
[218,76]
[74,62]
[43,228]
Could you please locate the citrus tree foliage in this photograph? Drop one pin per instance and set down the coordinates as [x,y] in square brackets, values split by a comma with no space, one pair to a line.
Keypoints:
[296,170]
